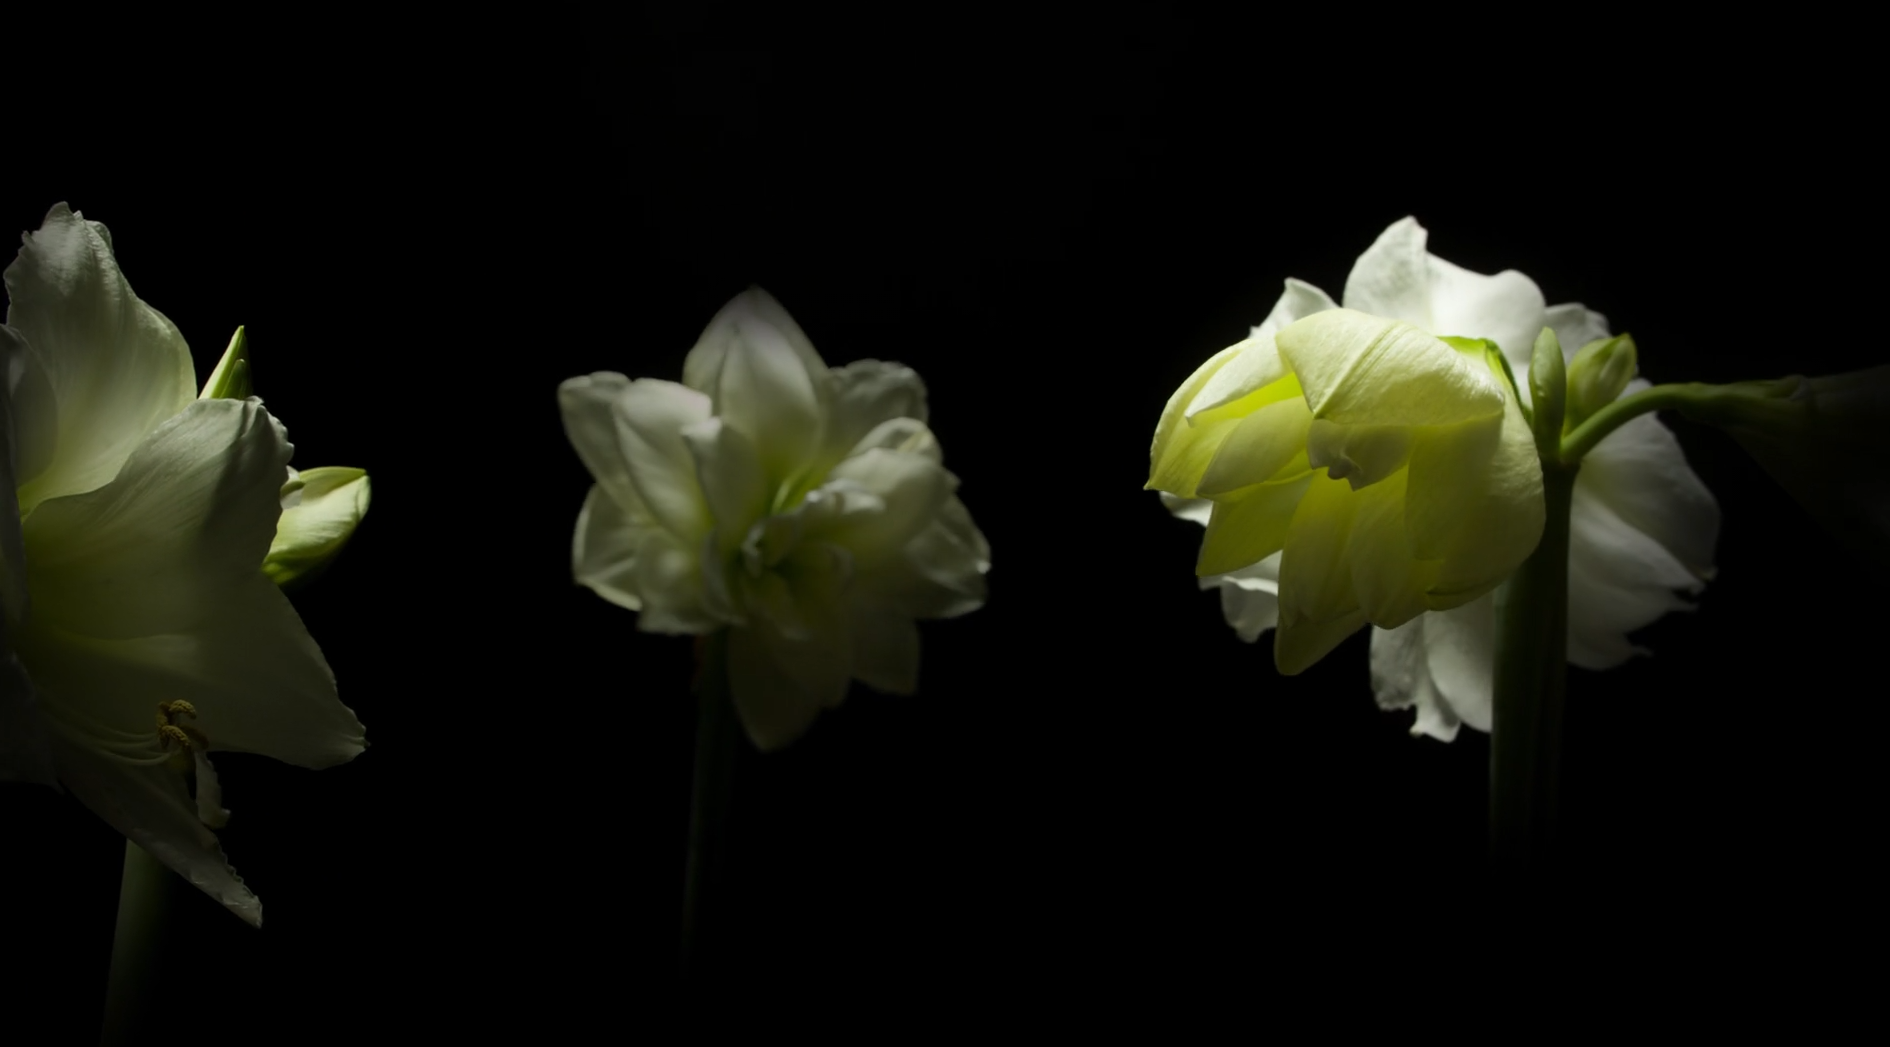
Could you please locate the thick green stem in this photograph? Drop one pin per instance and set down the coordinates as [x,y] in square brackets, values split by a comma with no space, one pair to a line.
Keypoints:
[1531,678]
[718,737]
[137,1008]
[1712,404]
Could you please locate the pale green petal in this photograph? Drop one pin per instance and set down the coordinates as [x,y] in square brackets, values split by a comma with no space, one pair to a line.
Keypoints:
[318,518]
[152,808]
[191,514]
[588,406]
[604,548]
[1252,365]
[941,573]
[1640,473]
[1250,525]
[1299,644]
[780,683]
[866,395]
[667,577]
[754,313]
[1388,583]
[257,679]
[114,367]
[903,435]
[1315,573]
[729,470]
[1358,369]
[1619,580]
[1361,455]
[1179,451]
[1392,278]
[1449,477]
[1507,308]
[885,649]
[765,380]
[1502,528]
[914,489]
[1269,444]
[651,416]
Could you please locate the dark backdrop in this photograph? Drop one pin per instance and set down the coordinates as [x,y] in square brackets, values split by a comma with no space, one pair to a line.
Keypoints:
[1100,797]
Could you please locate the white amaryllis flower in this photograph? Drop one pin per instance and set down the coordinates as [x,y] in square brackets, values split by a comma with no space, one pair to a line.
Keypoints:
[803,507]
[140,630]
[1642,529]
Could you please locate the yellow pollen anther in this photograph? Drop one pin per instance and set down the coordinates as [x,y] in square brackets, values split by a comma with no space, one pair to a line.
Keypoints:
[173,733]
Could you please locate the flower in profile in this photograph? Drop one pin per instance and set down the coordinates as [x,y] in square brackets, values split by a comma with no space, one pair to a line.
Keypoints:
[141,632]
[804,508]
[1643,526]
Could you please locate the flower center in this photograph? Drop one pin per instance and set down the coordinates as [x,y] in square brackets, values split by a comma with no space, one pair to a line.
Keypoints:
[178,746]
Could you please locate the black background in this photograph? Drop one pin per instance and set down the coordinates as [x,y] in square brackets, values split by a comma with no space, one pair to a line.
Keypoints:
[1101,800]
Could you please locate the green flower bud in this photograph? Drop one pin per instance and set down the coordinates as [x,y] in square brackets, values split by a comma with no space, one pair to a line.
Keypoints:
[230,380]
[1598,375]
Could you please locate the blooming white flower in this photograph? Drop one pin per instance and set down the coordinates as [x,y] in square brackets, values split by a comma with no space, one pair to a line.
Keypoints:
[803,507]
[1642,529]
[140,630]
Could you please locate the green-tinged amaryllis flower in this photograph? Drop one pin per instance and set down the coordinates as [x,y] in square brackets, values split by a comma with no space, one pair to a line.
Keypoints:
[1390,469]
[1643,526]
[803,507]
[141,631]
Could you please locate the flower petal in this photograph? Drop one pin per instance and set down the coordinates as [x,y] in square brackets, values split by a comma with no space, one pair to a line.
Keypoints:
[1299,644]
[1507,308]
[114,367]
[1359,369]
[867,394]
[191,514]
[1315,574]
[1441,663]
[1640,472]
[764,379]
[1250,597]
[1619,580]
[1251,525]
[318,518]
[152,808]
[651,416]
[1506,517]
[729,469]
[914,489]
[941,573]
[885,649]
[588,406]
[1392,278]
[25,752]
[604,550]
[1181,450]
[780,684]
[1198,510]
[1257,363]
[1269,444]
[13,361]
[668,578]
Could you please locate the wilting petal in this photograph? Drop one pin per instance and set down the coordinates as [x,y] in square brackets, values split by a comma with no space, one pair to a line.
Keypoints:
[1358,369]
[318,518]
[604,550]
[114,367]
[153,809]
[1507,308]
[1639,472]
[651,416]
[191,515]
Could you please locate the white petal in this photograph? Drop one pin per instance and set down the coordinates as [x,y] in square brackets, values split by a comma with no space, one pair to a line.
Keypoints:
[604,550]
[867,394]
[1401,679]
[153,809]
[729,469]
[941,572]
[764,379]
[1460,648]
[780,685]
[588,406]
[114,367]
[1574,325]
[1619,579]
[256,677]
[1507,309]
[1196,509]
[651,416]
[318,518]
[1640,472]
[191,514]
[1392,278]
[1250,597]
[668,578]
[914,490]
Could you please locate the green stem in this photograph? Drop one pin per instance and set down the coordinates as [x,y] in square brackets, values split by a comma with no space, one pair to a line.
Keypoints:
[137,1008]
[1700,401]
[718,737]
[1531,677]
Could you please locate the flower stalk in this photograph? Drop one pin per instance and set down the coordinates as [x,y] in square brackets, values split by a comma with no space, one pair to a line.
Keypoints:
[135,996]
[718,734]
